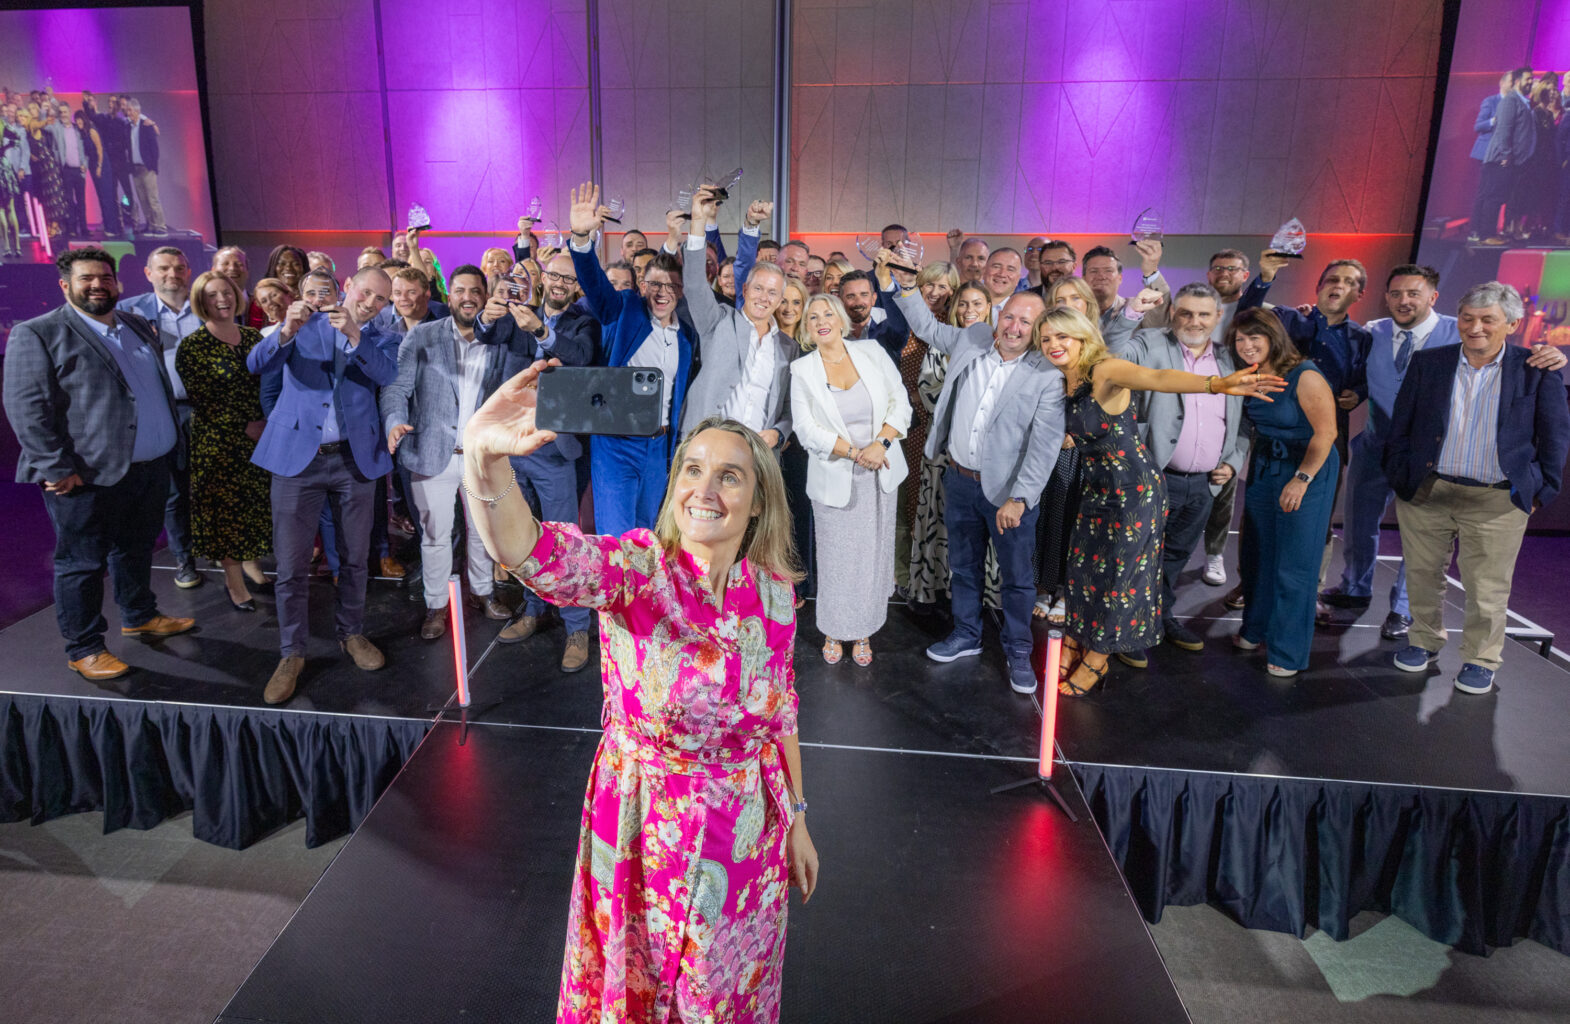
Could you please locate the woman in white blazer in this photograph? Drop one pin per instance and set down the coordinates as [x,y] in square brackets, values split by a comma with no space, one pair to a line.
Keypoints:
[849,409]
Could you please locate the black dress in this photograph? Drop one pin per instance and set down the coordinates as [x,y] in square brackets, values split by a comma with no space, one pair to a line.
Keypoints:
[1055,525]
[1113,595]
[231,496]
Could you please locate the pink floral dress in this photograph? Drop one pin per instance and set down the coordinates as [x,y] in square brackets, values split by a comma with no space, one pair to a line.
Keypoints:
[678,902]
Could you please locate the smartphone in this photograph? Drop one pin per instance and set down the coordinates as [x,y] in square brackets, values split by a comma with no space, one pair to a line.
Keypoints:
[615,400]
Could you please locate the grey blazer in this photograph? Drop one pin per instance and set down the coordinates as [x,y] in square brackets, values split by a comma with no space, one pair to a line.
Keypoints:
[1161,415]
[1026,429]
[70,406]
[723,336]
[425,395]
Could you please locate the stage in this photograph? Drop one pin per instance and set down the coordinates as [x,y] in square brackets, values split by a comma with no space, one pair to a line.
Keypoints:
[1289,804]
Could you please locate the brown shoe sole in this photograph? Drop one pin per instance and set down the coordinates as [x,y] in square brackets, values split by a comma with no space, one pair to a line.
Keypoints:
[96,675]
[279,696]
[145,631]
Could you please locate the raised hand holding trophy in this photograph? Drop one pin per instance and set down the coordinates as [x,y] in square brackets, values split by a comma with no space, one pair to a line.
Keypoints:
[1290,240]
[419,220]
[1147,226]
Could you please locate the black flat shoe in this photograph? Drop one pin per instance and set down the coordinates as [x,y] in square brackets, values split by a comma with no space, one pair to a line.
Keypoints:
[248,605]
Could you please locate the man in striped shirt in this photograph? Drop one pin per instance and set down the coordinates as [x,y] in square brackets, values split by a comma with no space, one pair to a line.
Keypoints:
[1478,442]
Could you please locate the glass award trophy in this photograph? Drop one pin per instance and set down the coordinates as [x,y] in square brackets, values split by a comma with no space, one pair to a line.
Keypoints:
[535,211]
[1289,240]
[907,253]
[617,206]
[1147,226]
[551,237]
[720,187]
[419,220]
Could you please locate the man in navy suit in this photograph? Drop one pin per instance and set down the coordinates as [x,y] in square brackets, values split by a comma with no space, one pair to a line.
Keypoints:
[89,399]
[1511,145]
[629,473]
[1478,441]
[323,442]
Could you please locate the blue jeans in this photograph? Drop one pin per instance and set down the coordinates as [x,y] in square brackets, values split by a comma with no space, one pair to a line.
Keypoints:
[972,521]
[549,483]
[1280,567]
[1368,494]
[177,510]
[1188,510]
[114,527]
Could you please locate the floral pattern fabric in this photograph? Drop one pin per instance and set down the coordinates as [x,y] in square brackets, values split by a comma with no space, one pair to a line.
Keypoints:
[1113,592]
[680,893]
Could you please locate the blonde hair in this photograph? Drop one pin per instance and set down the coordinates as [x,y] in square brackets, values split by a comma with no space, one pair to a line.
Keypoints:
[270,282]
[941,270]
[768,542]
[792,283]
[1080,286]
[803,339]
[1070,321]
[199,304]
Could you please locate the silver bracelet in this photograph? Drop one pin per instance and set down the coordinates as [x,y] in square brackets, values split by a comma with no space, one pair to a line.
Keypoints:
[491,502]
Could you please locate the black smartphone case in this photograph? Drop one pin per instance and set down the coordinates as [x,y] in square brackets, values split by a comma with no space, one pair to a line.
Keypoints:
[615,400]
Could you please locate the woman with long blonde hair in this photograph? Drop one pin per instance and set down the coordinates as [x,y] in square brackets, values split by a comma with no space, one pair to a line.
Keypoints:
[1113,593]
[700,749]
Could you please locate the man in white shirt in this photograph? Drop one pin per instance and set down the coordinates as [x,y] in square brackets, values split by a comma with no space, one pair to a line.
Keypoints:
[1228,274]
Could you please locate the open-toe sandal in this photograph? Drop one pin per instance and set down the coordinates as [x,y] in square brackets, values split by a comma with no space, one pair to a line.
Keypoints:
[861,654]
[833,651]
[1068,688]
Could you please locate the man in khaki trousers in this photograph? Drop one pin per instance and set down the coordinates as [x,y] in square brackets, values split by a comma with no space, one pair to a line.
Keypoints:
[1478,442]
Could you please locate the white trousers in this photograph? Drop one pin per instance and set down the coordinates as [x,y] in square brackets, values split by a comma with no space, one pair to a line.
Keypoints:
[434,499]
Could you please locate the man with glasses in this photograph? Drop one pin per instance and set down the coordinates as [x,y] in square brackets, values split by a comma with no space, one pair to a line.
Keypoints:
[1227,275]
[814,276]
[1033,261]
[1057,262]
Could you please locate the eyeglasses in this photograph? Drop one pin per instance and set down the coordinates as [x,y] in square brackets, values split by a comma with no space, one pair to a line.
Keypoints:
[551,275]
[1229,270]
[1057,263]
[660,286]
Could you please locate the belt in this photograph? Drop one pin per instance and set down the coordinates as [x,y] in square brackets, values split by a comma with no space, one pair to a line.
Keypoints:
[457,449]
[1466,481]
[331,448]
[969,474]
[1185,472]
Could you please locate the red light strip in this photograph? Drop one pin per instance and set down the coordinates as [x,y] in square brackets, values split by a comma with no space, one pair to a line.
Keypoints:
[1049,702]
[460,653]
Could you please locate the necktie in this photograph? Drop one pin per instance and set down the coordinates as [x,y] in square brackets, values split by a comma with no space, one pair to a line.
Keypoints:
[1404,352]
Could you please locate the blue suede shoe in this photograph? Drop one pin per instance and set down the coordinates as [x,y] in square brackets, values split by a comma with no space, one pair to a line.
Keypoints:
[1415,659]
[1475,679]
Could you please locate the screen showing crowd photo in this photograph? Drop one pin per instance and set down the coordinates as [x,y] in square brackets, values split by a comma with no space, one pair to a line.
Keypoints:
[102,135]
[1499,194]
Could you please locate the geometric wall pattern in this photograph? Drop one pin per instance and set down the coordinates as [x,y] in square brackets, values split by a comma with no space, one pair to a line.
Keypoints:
[1065,116]
[999,117]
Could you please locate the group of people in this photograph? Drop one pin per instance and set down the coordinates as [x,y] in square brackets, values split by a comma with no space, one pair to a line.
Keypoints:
[1523,147]
[993,428]
[48,153]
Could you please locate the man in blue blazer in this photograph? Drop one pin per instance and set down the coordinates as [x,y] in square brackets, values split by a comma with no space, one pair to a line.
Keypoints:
[1511,145]
[89,399]
[1478,441]
[629,473]
[323,442]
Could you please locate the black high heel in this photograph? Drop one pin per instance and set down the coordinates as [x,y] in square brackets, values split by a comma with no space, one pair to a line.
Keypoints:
[248,605]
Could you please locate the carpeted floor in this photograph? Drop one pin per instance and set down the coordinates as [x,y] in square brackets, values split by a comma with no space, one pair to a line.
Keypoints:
[144,927]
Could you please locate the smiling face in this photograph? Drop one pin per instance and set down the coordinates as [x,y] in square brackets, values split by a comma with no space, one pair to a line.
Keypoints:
[972,307]
[831,280]
[290,269]
[714,495]
[170,277]
[859,300]
[725,280]
[496,262]
[1033,254]
[633,242]
[399,247]
[92,288]
[824,325]
[231,264]
[1065,294]
[1227,275]
[1193,319]
[1012,334]
[366,295]
[1253,349]
[1062,350]
[221,301]
[1057,263]
[1410,298]
[972,259]
[762,294]
[1483,331]
[273,302]
[788,315]
[662,290]
[793,260]
[936,294]
[466,297]
[561,282]
[409,299]
[1104,276]
[1002,274]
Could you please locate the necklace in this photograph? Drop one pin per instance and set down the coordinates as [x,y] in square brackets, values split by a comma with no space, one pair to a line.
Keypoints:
[833,362]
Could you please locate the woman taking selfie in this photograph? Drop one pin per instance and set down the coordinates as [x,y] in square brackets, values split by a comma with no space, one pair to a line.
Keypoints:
[694,824]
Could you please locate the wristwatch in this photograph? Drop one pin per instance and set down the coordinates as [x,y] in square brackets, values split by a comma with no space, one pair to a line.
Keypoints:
[1022,501]
[1300,475]
[799,808]
[885,442]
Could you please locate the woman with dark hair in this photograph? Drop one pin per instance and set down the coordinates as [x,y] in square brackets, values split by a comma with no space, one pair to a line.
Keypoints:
[1113,593]
[231,507]
[46,183]
[1291,491]
[694,825]
[725,282]
[288,263]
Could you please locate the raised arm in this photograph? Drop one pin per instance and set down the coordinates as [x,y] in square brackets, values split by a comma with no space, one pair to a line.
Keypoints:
[1246,382]
[946,338]
[747,246]
[702,306]
[586,217]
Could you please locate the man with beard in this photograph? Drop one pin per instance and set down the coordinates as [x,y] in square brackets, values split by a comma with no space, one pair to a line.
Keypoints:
[999,418]
[1057,262]
[89,398]
[445,373]
[1104,273]
[168,307]
[637,329]
[793,258]
[1227,274]
[323,443]
[872,316]
[1195,439]
[1412,326]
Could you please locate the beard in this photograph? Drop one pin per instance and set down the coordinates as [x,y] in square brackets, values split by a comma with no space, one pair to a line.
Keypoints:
[96,305]
[465,322]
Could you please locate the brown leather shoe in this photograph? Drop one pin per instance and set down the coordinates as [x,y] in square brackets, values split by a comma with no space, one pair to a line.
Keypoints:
[519,630]
[392,568]
[281,686]
[494,609]
[99,667]
[364,653]
[576,654]
[435,624]
[158,626]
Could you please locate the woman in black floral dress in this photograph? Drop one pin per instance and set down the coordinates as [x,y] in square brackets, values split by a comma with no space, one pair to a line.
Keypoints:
[231,517]
[1113,593]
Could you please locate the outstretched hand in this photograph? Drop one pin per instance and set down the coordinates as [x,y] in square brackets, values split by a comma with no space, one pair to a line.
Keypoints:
[1248,383]
[585,217]
[504,425]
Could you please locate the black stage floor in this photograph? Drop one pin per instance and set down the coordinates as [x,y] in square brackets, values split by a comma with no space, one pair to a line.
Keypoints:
[938,901]
[1351,717]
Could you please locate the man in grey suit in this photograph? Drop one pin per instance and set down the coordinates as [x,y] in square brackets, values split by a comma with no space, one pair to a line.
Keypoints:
[445,373]
[746,359]
[88,397]
[1195,439]
[999,419]
[168,308]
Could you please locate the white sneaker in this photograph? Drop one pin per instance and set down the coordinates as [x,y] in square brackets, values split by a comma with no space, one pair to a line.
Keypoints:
[1215,572]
